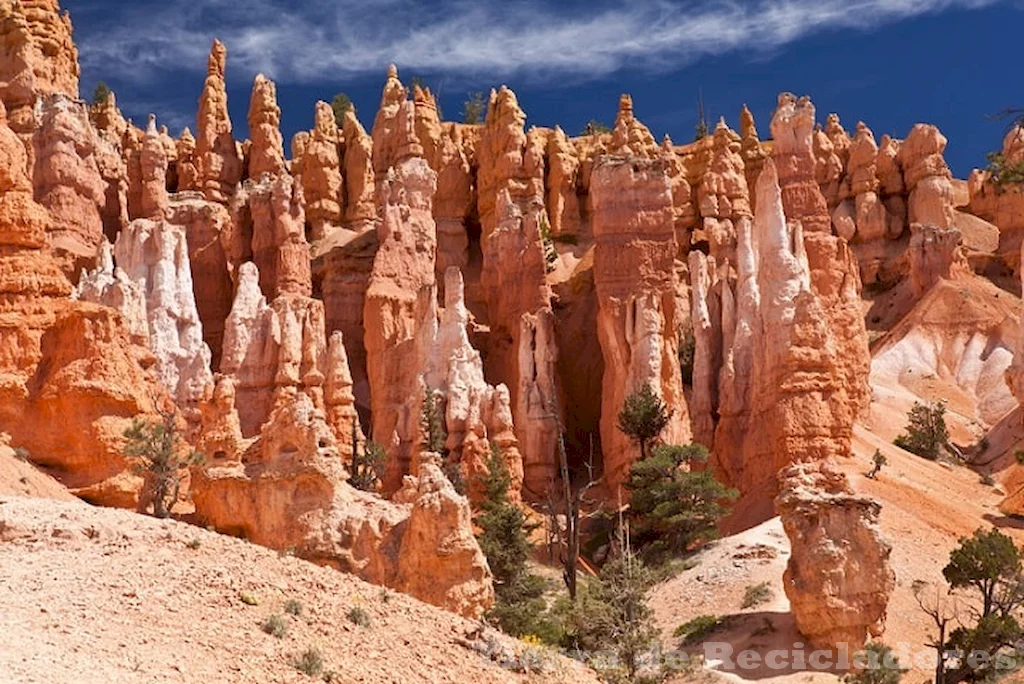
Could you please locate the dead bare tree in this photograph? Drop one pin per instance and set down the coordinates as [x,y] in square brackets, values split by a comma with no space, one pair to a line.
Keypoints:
[574,500]
[943,609]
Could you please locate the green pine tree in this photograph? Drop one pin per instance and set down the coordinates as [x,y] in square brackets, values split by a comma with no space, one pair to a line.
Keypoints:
[474,108]
[160,454]
[926,433]
[643,417]
[367,467]
[520,608]
[341,103]
[432,426]
[671,506]
[613,614]
[101,94]
[879,666]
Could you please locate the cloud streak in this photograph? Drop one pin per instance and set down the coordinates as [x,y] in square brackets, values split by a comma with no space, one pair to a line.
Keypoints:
[544,41]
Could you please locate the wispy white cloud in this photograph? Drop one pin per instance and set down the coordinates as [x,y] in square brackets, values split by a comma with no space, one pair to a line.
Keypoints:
[328,39]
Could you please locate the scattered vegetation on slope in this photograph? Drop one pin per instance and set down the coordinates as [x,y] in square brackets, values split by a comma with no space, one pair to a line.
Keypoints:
[926,433]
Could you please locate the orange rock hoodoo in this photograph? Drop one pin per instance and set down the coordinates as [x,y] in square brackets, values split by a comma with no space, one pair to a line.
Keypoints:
[636,292]
[218,158]
[401,301]
[320,169]
[722,195]
[37,59]
[838,579]
[522,351]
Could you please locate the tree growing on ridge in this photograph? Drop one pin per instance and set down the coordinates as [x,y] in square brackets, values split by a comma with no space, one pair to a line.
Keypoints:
[474,108]
[701,130]
[340,104]
[101,94]
[595,127]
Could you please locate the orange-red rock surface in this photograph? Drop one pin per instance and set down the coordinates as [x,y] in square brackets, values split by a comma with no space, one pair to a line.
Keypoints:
[838,578]
[524,278]
[636,291]
[522,352]
[37,59]
[218,158]
[67,181]
[71,378]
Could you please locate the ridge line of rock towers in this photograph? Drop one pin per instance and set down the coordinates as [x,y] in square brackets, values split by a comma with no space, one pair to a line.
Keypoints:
[525,279]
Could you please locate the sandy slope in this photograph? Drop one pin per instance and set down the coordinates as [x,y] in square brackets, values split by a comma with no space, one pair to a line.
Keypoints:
[926,508]
[954,345]
[99,595]
[21,478]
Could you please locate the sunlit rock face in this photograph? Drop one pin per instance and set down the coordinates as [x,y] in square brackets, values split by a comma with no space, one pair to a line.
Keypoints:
[636,292]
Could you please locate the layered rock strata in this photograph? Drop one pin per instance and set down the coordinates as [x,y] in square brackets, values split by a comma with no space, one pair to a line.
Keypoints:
[522,351]
[636,291]
[416,354]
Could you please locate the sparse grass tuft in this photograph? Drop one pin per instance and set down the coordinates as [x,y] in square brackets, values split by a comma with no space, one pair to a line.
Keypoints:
[358,616]
[309,663]
[248,599]
[22,454]
[194,544]
[756,594]
[385,595]
[275,626]
[293,607]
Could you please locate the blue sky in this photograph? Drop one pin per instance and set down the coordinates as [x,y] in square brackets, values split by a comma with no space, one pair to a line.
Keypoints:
[890,63]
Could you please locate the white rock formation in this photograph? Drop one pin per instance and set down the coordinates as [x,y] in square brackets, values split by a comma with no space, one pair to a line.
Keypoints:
[111,286]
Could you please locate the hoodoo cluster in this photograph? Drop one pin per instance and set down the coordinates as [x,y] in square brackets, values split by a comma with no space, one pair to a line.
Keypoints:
[291,306]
